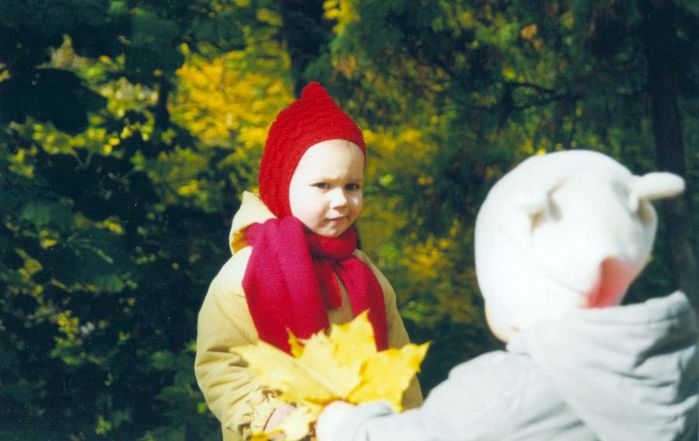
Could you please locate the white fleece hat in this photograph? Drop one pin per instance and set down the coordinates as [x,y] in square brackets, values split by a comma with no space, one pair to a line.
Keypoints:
[564,230]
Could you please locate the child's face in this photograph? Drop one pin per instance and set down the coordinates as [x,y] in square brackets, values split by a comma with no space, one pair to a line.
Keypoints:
[325,192]
[503,332]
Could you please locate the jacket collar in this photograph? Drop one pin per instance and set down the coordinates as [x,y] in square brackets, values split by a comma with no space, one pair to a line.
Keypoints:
[252,210]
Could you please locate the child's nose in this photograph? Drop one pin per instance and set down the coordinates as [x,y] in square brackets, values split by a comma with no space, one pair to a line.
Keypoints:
[338,198]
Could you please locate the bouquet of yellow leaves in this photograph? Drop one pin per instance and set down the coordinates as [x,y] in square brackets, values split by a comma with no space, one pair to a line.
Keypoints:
[342,366]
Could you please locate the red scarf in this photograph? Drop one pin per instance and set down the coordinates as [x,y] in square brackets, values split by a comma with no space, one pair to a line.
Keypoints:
[290,281]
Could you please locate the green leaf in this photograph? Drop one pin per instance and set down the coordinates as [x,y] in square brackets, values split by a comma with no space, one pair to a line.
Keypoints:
[118,8]
[90,257]
[163,361]
[42,213]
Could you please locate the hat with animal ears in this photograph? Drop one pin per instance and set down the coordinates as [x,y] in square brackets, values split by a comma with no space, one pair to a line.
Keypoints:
[565,230]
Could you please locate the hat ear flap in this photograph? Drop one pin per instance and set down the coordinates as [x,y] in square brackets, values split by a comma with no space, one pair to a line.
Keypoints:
[653,186]
[535,204]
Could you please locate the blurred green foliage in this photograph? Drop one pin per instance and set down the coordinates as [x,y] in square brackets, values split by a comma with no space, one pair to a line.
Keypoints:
[129,129]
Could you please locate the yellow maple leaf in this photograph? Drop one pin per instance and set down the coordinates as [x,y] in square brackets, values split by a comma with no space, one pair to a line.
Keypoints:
[354,341]
[343,366]
[399,364]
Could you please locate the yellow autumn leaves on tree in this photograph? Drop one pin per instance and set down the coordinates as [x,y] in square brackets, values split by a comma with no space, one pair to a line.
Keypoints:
[342,366]
[222,99]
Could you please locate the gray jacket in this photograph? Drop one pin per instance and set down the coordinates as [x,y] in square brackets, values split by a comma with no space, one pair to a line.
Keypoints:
[614,374]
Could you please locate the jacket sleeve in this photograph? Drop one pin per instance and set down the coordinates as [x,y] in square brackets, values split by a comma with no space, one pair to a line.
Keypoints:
[397,335]
[476,403]
[241,405]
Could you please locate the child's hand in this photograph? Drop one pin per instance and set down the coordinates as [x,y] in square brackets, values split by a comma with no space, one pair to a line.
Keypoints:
[330,417]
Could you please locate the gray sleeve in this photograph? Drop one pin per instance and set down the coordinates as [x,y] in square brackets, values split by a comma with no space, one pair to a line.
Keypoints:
[377,421]
[471,405]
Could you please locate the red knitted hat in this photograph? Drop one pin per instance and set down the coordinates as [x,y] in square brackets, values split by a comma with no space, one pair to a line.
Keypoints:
[311,119]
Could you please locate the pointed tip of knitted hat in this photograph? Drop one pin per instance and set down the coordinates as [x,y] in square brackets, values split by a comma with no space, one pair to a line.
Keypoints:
[314,91]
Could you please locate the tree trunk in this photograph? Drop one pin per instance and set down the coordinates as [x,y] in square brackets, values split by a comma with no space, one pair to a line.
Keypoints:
[658,35]
[162,115]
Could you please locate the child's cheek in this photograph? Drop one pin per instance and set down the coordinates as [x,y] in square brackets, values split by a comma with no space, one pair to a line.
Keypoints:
[358,207]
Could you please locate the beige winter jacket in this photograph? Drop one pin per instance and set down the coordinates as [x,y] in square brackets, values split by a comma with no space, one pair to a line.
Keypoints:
[241,405]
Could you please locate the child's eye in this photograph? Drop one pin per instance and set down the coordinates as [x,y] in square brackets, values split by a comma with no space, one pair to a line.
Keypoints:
[322,185]
[352,187]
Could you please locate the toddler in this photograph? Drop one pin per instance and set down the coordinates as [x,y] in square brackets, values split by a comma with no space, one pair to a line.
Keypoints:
[558,241]
[295,264]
